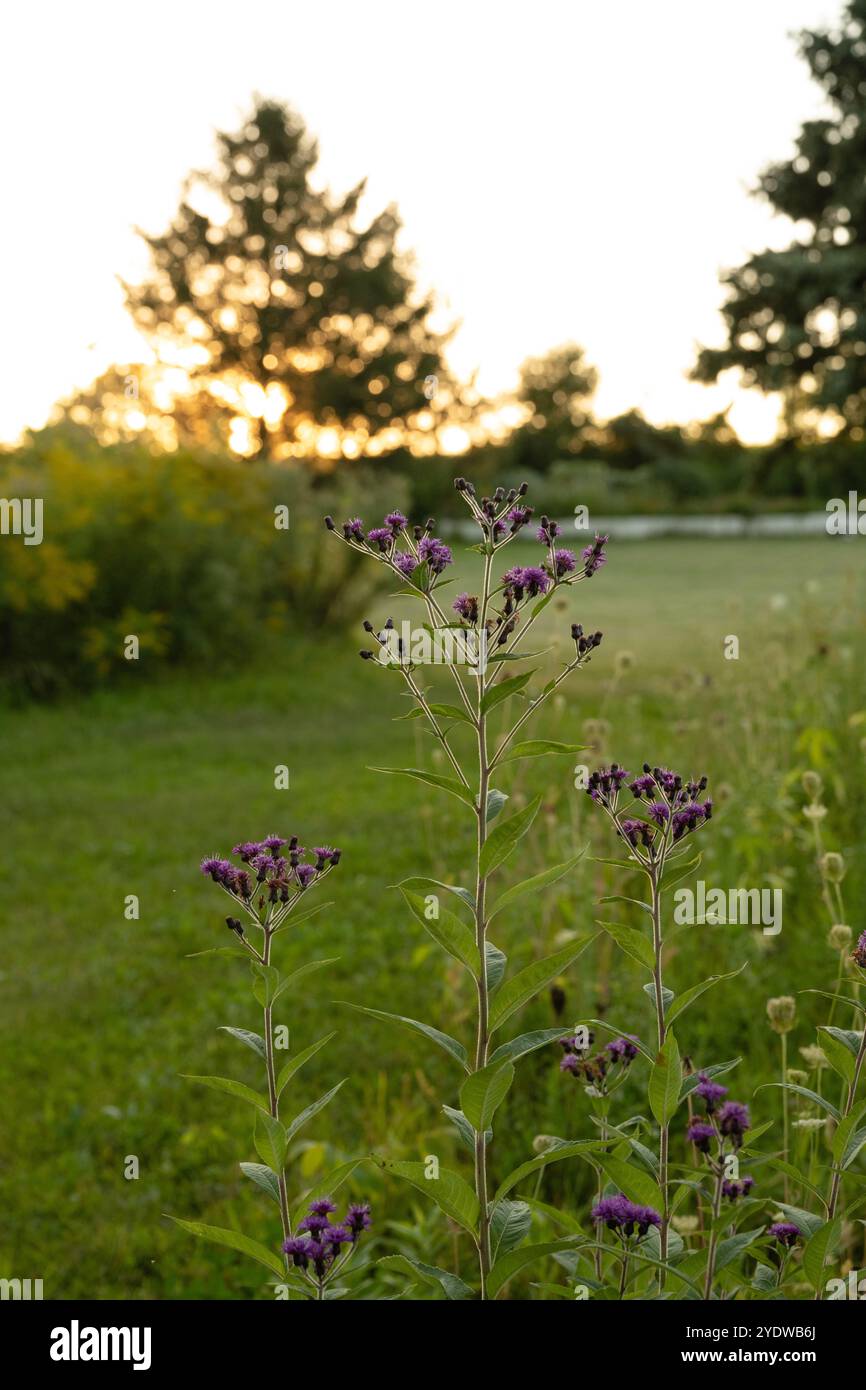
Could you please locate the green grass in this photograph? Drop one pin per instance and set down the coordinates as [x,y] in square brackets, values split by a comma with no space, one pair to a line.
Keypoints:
[122,794]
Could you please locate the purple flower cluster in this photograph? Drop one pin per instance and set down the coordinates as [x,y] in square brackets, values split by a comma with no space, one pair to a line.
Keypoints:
[701,1135]
[730,1122]
[604,784]
[596,1071]
[593,556]
[278,876]
[382,541]
[672,804]
[525,581]
[859,956]
[624,1217]
[466,607]
[733,1121]
[317,1250]
[734,1190]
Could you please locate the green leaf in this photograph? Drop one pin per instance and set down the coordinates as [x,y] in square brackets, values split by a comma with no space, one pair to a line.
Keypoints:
[527,982]
[266,979]
[451,1045]
[842,1046]
[511,1264]
[852,1148]
[445,784]
[717,1069]
[451,1193]
[689,996]
[807,1222]
[217,951]
[483,1092]
[311,1110]
[235,1241]
[324,1187]
[464,1128]
[608,1027]
[264,1178]
[302,971]
[509,1226]
[230,1088]
[562,1149]
[463,894]
[270,1142]
[665,1081]
[501,841]
[816,1250]
[538,881]
[633,942]
[842,1137]
[448,931]
[496,963]
[295,918]
[731,1248]
[541,748]
[822,1101]
[452,1286]
[637,1185]
[294,1064]
[451,712]
[840,998]
[527,1042]
[252,1040]
[503,690]
[495,802]
[668,995]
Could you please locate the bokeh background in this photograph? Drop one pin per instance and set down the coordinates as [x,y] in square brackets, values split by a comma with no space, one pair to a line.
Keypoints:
[285,349]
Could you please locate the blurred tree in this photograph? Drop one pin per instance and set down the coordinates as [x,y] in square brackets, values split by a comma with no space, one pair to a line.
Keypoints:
[796,318]
[556,389]
[299,325]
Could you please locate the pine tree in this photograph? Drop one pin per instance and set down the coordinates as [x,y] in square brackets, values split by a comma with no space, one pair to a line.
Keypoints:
[796,318]
[301,322]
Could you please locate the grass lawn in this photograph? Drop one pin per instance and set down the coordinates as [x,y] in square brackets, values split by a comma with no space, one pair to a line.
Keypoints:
[123,792]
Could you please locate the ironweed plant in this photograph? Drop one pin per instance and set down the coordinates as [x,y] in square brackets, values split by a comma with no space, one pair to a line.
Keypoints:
[270,886]
[482,638]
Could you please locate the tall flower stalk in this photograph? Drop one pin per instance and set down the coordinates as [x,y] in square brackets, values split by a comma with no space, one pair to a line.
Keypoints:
[671,809]
[269,885]
[488,628]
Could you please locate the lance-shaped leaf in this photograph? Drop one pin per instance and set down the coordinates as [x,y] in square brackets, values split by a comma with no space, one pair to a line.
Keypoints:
[842,1138]
[824,1103]
[559,1150]
[496,963]
[607,1027]
[504,689]
[263,1177]
[308,968]
[251,1040]
[451,1193]
[816,1250]
[432,779]
[537,882]
[633,942]
[541,748]
[448,930]
[451,1045]
[666,1079]
[295,1063]
[716,1069]
[840,998]
[495,802]
[689,996]
[230,1088]
[463,894]
[266,981]
[527,1042]
[483,1092]
[324,1187]
[464,1128]
[235,1241]
[502,840]
[295,918]
[452,1286]
[270,1141]
[807,1222]
[527,982]
[509,1265]
[637,1185]
[509,1226]
[311,1110]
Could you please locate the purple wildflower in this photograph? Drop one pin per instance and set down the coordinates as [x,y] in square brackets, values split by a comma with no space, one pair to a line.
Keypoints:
[658,811]
[396,521]
[637,830]
[622,1216]
[434,553]
[534,580]
[306,873]
[701,1135]
[734,1190]
[710,1092]
[358,1218]
[733,1120]
[622,1050]
[571,1062]
[606,782]
[547,531]
[594,557]
[405,563]
[380,536]
[563,563]
[466,606]
[274,843]
[218,869]
[785,1232]
[353,530]
[299,1251]
[859,954]
[518,516]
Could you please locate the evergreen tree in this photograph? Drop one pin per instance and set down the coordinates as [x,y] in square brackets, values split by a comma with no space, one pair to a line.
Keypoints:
[796,318]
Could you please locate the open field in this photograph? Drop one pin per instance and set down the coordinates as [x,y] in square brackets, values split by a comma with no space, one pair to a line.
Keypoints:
[124,792]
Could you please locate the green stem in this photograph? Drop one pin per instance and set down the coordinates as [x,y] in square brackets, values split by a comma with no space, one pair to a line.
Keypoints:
[273,1098]
[714,1233]
[661,1031]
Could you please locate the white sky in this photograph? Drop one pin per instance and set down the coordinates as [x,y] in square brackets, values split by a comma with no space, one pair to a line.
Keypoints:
[564,169]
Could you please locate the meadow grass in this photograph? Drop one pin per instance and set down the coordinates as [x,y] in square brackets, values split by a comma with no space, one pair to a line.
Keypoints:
[123,792]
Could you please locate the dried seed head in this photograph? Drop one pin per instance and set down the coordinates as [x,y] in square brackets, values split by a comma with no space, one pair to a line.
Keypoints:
[782,1013]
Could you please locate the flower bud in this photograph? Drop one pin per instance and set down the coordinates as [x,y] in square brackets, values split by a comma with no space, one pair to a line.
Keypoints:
[812,784]
[782,1013]
[832,866]
[840,937]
